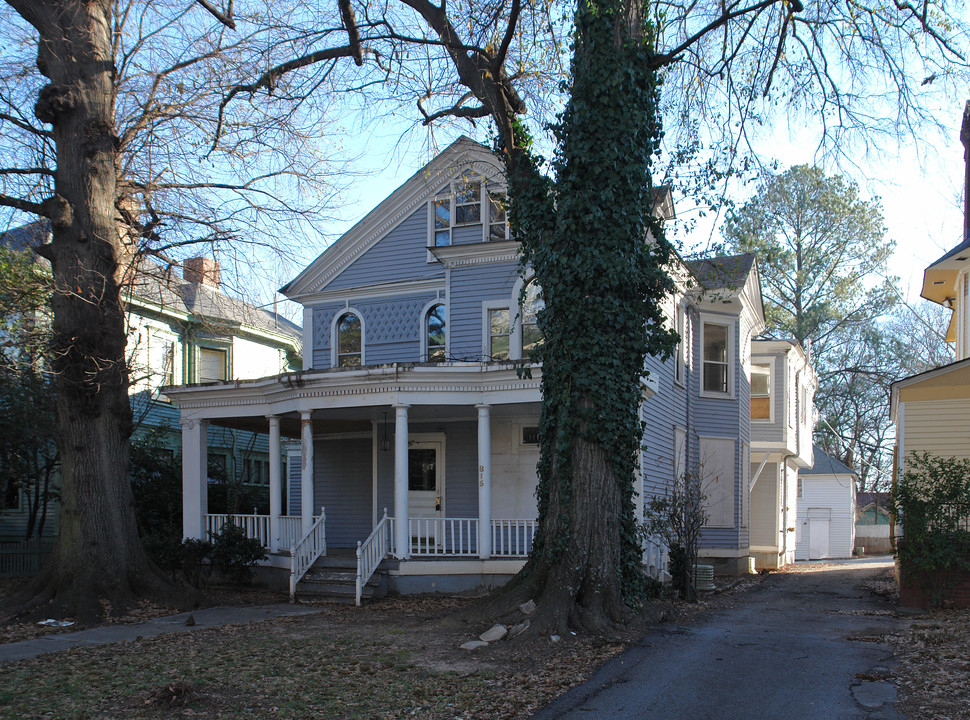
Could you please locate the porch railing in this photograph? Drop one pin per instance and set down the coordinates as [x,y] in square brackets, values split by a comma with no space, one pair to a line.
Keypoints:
[458,537]
[256,526]
[305,552]
[291,530]
[371,552]
[443,536]
[24,558]
[512,538]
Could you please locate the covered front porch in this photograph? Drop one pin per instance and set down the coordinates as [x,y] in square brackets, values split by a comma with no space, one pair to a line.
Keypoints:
[419,463]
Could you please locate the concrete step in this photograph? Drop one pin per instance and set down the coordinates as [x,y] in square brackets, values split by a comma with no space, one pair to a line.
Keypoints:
[341,585]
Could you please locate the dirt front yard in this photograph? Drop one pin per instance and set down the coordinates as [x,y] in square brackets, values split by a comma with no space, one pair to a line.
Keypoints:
[395,658]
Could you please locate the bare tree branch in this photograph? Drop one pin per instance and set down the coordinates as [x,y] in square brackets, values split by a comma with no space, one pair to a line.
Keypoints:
[224,18]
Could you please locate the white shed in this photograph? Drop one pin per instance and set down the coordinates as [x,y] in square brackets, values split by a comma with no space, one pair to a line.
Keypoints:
[826,510]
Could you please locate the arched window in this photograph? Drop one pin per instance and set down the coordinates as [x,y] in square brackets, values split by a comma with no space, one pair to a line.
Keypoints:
[532,303]
[349,340]
[435,322]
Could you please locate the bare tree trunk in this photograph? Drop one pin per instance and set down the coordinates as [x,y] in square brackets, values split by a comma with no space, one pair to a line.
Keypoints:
[98,564]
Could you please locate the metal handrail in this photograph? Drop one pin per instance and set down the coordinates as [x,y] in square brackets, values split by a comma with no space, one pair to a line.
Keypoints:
[371,552]
[304,553]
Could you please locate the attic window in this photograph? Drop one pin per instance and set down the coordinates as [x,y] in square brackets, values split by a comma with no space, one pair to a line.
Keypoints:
[468,199]
[464,203]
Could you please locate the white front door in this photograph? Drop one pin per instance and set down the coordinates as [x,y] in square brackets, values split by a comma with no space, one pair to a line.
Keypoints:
[426,491]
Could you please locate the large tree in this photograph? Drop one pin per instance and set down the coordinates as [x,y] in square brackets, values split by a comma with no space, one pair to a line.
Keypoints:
[822,252]
[131,111]
[719,62]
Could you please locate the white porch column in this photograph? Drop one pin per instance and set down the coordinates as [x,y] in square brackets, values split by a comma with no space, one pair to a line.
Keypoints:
[275,483]
[306,470]
[484,483]
[401,533]
[195,478]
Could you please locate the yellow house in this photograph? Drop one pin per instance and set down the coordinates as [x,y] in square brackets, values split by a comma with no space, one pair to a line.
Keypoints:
[932,410]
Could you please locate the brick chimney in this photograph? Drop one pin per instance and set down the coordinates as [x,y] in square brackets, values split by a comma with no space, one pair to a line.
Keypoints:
[202,270]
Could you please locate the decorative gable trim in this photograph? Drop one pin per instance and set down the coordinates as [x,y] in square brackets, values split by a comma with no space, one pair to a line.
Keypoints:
[462,154]
[452,256]
[370,292]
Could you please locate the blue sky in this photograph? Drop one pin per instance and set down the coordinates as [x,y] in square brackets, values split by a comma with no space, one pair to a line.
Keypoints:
[919,180]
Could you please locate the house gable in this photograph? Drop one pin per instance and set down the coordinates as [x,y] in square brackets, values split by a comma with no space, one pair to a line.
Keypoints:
[407,209]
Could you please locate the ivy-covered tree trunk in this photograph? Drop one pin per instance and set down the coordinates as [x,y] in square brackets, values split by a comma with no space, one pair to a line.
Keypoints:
[598,254]
[98,563]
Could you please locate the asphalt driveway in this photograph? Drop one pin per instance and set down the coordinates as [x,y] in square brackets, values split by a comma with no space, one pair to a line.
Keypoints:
[805,645]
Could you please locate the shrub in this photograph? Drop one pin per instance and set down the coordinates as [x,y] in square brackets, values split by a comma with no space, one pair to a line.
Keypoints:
[196,561]
[932,498]
[234,554]
[678,518]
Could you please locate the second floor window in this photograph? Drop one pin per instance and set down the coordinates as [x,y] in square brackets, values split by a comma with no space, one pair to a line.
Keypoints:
[255,470]
[498,334]
[531,305]
[435,326]
[349,341]
[760,392]
[716,358]
[213,365]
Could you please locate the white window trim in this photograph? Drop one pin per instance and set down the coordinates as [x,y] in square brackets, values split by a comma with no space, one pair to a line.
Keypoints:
[484,212]
[424,328]
[682,357]
[486,327]
[771,387]
[520,430]
[219,346]
[334,350]
[732,359]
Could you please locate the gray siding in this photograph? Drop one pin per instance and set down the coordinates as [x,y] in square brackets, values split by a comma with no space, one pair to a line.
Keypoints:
[467,234]
[728,418]
[470,288]
[762,431]
[342,482]
[323,316]
[663,412]
[765,508]
[400,255]
[392,328]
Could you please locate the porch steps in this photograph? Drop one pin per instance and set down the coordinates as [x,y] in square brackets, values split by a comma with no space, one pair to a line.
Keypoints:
[335,578]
